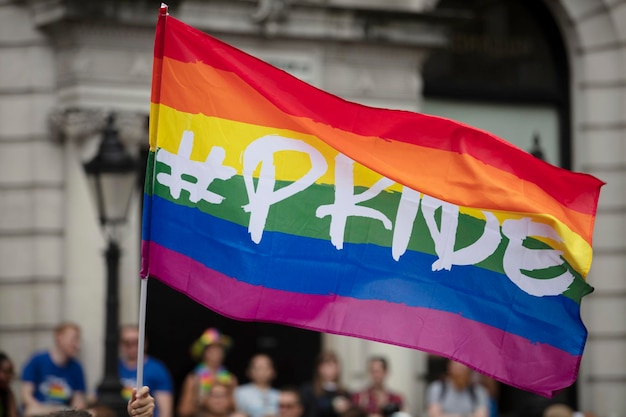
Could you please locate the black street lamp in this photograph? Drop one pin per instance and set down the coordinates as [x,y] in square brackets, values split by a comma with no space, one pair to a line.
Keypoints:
[112,176]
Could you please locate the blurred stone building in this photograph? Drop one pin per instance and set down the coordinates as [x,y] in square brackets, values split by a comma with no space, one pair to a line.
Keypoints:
[546,73]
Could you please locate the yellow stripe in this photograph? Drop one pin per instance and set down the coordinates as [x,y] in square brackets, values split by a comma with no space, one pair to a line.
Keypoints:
[576,251]
[235,137]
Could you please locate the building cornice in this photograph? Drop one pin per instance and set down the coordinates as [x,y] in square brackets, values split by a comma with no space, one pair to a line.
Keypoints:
[409,23]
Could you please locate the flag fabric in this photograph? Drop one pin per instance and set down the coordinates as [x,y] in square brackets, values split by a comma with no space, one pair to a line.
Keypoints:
[268,199]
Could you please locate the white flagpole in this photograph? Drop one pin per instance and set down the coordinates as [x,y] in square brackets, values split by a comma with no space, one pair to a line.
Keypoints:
[142,330]
[143,294]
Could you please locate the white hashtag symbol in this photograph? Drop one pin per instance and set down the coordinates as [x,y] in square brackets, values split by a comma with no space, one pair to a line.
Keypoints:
[204,173]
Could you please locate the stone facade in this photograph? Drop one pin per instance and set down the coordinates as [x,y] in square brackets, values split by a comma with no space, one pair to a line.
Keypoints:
[32,186]
[62,72]
[595,34]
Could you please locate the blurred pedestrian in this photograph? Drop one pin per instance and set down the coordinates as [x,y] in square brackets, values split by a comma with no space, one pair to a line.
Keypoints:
[8,406]
[141,404]
[558,410]
[258,398]
[218,402]
[97,409]
[376,400]
[210,351]
[324,396]
[563,410]
[54,379]
[289,403]
[456,395]
[155,374]
[69,413]
[356,411]
[493,391]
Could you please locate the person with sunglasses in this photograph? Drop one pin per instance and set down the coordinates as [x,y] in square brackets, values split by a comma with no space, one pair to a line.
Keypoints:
[155,373]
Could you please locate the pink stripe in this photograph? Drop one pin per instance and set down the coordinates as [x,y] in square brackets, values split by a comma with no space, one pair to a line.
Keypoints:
[514,360]
[145,259]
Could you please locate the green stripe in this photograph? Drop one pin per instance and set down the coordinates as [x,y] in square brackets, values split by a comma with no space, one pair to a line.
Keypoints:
[296,216]
[147,186]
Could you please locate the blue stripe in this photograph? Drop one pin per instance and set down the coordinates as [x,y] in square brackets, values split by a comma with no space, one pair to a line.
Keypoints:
[365,271]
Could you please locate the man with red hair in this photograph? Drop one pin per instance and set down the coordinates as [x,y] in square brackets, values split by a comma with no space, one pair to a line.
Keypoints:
[54,379]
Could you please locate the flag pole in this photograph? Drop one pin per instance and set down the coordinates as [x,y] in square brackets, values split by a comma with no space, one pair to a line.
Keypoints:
[142,330]
[143,293]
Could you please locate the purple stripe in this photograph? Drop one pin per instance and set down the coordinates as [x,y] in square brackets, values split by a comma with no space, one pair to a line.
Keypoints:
[145,259]
[512,359]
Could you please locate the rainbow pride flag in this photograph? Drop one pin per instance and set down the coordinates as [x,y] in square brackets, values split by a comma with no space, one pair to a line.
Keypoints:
[268,199]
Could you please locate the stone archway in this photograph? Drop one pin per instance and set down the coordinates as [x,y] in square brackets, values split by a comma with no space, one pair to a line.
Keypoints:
[595,34]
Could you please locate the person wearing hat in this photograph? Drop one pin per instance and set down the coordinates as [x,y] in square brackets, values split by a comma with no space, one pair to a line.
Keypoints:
[209,350]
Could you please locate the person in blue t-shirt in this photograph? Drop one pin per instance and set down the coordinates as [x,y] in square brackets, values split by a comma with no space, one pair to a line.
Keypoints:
[54,379]
[155,374]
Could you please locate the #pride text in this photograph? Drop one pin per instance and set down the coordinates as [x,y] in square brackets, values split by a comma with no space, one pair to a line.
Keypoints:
[195,177]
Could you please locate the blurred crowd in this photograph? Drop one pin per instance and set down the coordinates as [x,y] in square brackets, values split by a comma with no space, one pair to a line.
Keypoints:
[53,380]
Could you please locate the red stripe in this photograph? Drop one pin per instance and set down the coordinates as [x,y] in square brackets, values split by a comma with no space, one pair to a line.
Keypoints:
[457,178]
[186,44]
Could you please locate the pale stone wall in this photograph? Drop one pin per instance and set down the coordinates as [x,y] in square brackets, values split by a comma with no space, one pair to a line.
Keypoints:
[595,34]
[51,263]
[32,228]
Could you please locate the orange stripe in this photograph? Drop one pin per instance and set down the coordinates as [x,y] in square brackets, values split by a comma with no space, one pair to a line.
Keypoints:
[457,178]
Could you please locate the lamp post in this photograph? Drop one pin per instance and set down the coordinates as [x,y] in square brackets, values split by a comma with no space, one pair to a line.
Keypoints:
[112,176]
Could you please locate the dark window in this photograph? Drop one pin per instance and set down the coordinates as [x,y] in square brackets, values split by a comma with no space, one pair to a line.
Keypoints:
[503,51]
